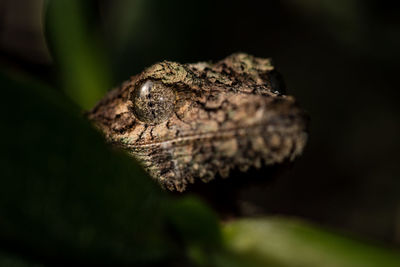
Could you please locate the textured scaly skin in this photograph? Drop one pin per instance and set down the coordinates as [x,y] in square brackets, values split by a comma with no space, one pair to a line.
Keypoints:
[225,115]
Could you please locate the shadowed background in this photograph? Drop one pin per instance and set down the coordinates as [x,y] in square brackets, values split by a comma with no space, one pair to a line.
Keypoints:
[338,58]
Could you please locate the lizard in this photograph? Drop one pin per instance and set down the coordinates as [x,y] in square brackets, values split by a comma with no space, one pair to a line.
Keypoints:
[188,122]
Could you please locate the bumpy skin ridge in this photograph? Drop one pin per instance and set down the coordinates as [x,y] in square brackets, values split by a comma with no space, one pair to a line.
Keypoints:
[226,115]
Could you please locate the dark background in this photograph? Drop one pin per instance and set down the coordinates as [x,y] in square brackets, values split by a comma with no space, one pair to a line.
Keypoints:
[338,58]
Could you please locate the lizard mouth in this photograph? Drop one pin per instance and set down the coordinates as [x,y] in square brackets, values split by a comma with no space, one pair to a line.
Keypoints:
[240,132]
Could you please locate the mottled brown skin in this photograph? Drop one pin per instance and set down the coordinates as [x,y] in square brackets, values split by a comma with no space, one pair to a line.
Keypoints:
[219,117]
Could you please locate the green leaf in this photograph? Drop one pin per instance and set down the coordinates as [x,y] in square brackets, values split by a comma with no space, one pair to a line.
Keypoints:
[64,193]
[78,49]
[197,226]
[283,242]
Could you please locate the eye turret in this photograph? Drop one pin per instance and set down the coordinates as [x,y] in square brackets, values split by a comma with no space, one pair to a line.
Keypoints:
[153,102]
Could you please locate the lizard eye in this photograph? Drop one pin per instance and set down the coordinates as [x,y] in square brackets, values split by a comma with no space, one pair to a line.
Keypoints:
[153,102]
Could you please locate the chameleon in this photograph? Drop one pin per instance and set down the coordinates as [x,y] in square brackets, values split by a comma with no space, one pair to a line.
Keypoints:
[189,122]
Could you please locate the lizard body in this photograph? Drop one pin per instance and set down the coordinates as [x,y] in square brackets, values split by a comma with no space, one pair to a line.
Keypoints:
[193,121]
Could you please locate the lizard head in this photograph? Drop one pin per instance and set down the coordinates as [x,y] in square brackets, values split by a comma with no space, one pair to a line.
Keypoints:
[193,121]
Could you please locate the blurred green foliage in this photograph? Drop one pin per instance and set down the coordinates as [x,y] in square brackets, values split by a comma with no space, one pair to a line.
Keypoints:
[283,242]
[62,181]
[15,261]
[64,193]
[67,196]
[78,49]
